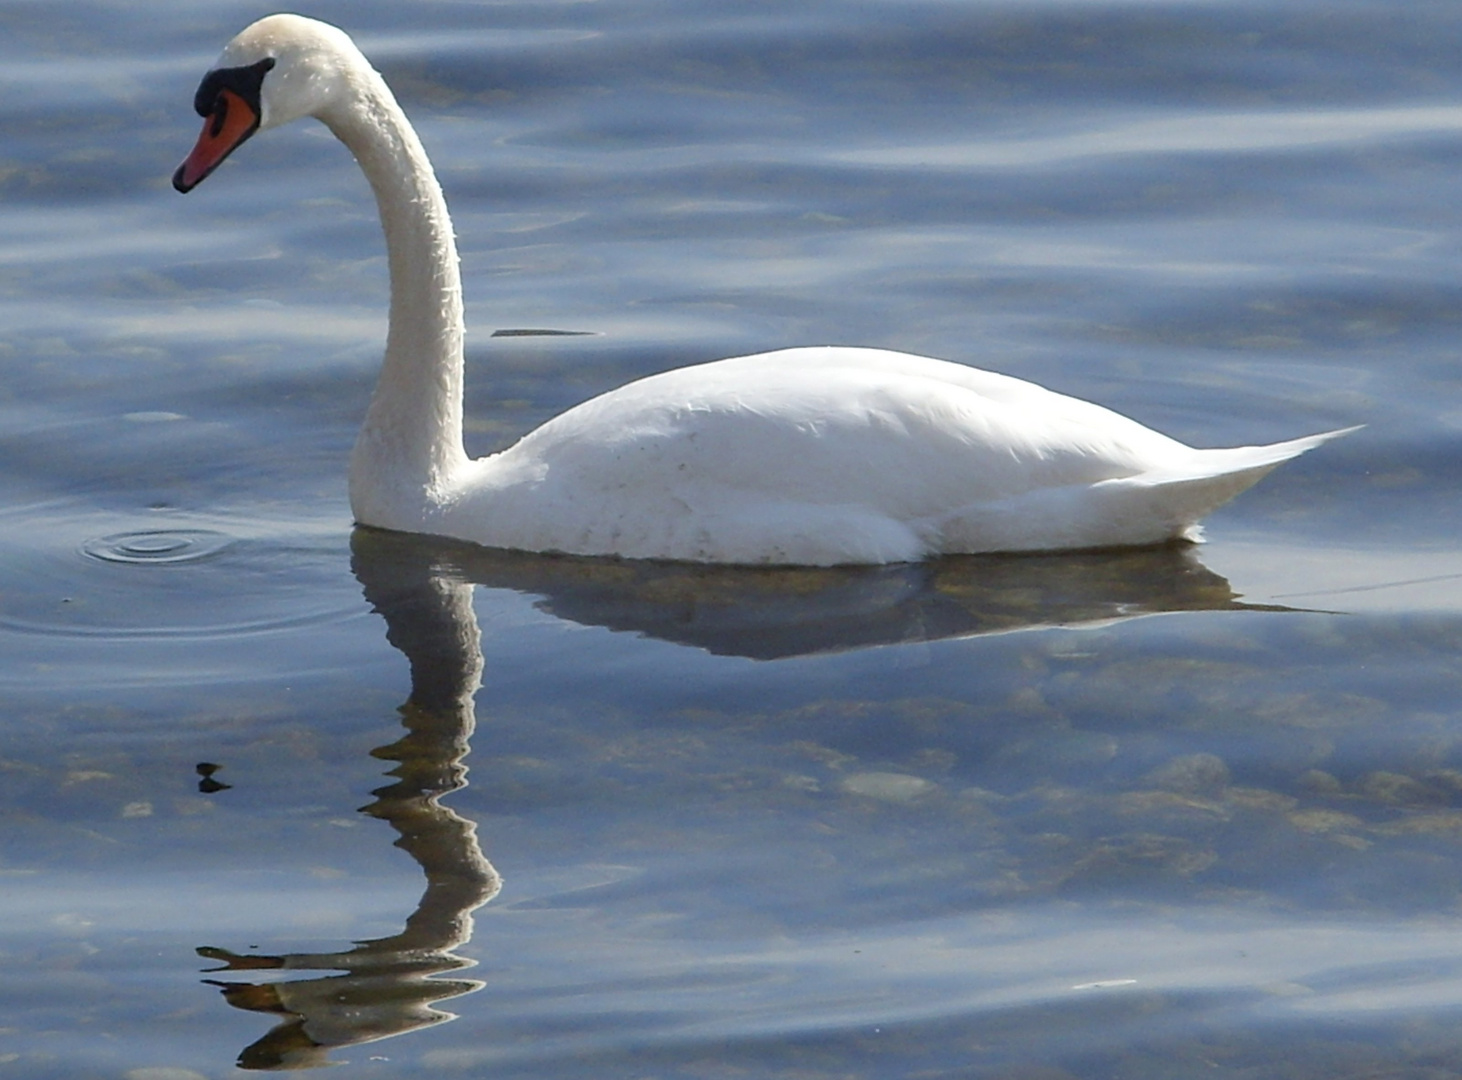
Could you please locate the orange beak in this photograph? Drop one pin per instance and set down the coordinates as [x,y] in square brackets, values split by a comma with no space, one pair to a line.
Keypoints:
[232,121]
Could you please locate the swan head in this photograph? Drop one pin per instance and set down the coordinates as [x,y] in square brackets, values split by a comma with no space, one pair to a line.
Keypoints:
[279,69]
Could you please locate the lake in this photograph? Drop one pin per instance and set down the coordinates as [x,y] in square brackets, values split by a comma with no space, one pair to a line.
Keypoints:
[278,793]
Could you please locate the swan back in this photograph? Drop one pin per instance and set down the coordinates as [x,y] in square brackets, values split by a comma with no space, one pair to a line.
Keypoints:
[840,455]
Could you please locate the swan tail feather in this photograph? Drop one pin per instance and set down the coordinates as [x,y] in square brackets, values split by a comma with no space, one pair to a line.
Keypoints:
[1244,458]
[1148,508]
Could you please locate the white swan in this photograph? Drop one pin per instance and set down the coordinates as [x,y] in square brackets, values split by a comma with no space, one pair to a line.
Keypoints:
[810,456]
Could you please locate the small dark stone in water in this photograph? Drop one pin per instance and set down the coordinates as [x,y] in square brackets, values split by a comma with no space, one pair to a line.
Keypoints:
[208,785]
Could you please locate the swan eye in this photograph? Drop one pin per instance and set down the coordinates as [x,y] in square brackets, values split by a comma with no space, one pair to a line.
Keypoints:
[220,116]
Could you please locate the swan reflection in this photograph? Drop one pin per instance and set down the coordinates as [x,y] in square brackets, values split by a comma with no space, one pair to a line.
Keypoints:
[388,986]
[423,588]
[768,613]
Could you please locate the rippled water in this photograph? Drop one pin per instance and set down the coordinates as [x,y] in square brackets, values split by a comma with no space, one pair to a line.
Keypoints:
[1158,813]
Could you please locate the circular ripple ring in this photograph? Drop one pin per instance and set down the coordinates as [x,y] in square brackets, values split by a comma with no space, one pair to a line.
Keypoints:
[158,546]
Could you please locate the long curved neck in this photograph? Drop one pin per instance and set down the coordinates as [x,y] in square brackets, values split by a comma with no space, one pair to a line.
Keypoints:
[411,441]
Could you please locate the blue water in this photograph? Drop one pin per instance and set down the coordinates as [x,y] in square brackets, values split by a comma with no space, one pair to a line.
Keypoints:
[1161,813]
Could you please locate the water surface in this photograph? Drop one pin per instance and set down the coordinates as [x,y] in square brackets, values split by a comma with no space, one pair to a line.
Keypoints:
[1183,811]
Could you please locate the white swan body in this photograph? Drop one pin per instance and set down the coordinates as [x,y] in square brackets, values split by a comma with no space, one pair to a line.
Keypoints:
[811,456]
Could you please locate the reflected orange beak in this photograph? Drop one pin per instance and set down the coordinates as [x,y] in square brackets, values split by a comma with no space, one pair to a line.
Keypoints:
[232,121]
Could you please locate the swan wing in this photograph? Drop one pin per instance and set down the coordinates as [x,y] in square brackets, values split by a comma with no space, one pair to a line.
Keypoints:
[823,456]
